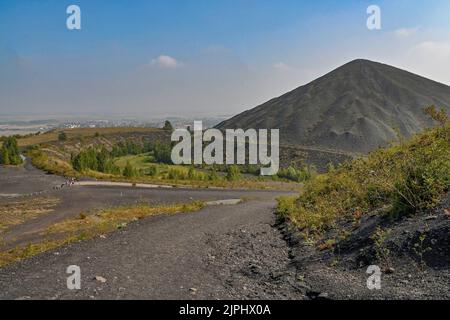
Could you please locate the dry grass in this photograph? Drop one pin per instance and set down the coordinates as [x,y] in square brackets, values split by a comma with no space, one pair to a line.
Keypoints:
[91,224]
[107,220]
[52,136]
[20,253]
[17,212]
[51,164]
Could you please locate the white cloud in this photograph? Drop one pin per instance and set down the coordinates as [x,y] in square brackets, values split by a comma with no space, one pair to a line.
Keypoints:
[406,32]
[166,62]
[430,59]
[282,66]
[432,50]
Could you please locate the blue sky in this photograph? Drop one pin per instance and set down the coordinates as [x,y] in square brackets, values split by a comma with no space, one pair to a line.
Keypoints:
[204,57]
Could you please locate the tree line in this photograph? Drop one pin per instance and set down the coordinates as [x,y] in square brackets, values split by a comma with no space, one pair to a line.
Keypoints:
[97,160]
[102,160]
[9,153]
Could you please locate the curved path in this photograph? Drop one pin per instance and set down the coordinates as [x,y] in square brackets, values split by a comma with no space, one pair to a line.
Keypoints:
[223,251]
[26,179]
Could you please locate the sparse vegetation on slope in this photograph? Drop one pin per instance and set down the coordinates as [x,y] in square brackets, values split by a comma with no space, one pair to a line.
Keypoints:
[406,178]
[80,133]
[358,107]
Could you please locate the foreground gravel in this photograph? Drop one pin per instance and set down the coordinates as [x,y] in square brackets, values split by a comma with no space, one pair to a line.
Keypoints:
[221,252]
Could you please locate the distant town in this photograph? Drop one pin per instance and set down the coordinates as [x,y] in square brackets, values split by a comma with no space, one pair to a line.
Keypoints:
[22,127]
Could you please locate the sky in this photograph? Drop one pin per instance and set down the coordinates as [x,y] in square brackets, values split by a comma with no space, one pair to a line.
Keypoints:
[158,58]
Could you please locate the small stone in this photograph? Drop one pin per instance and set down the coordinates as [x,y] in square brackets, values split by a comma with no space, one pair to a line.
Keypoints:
[100,279]
[193,290]
[322,295]
[389,270]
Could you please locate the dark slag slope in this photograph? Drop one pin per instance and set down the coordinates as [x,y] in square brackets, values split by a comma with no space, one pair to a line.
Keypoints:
[356,108]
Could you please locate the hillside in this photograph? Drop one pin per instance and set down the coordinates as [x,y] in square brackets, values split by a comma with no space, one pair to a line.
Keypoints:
[80,133]
[54,156]
[389,209]
[358,107]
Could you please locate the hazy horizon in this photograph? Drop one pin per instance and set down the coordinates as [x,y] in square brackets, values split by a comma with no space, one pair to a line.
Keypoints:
[200,59]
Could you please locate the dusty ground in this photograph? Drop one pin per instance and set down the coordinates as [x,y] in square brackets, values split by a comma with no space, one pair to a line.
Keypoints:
[75,200]
[27,184]
[218,253]
[221,252]
[26,179]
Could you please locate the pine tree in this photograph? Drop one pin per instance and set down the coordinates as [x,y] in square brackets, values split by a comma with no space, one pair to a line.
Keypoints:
[168,126]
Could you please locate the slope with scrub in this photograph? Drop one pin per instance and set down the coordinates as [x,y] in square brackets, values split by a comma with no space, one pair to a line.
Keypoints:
[390,209]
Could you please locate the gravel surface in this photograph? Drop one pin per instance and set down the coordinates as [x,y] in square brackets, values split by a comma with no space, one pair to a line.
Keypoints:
[16,181]
[232,251]
[75,200]
[220,252]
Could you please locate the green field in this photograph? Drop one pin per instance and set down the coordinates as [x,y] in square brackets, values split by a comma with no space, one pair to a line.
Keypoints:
[139,162]
[145,165]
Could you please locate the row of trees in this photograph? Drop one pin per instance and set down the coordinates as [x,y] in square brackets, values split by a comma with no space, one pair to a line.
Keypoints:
[130,148]
[161,151]
[103,160]
[92,159]
[9,153]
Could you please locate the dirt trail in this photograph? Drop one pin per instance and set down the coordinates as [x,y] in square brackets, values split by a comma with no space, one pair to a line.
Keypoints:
[221,252]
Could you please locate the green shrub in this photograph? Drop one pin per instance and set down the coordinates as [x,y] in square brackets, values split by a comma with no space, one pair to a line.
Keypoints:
[129,171]
[233,173]
[162,153]
[62,136]
[9,152]
[286,205]
[186,173]
[297,174]
[403,179]
[92,159]
[213,176]
[152,171]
